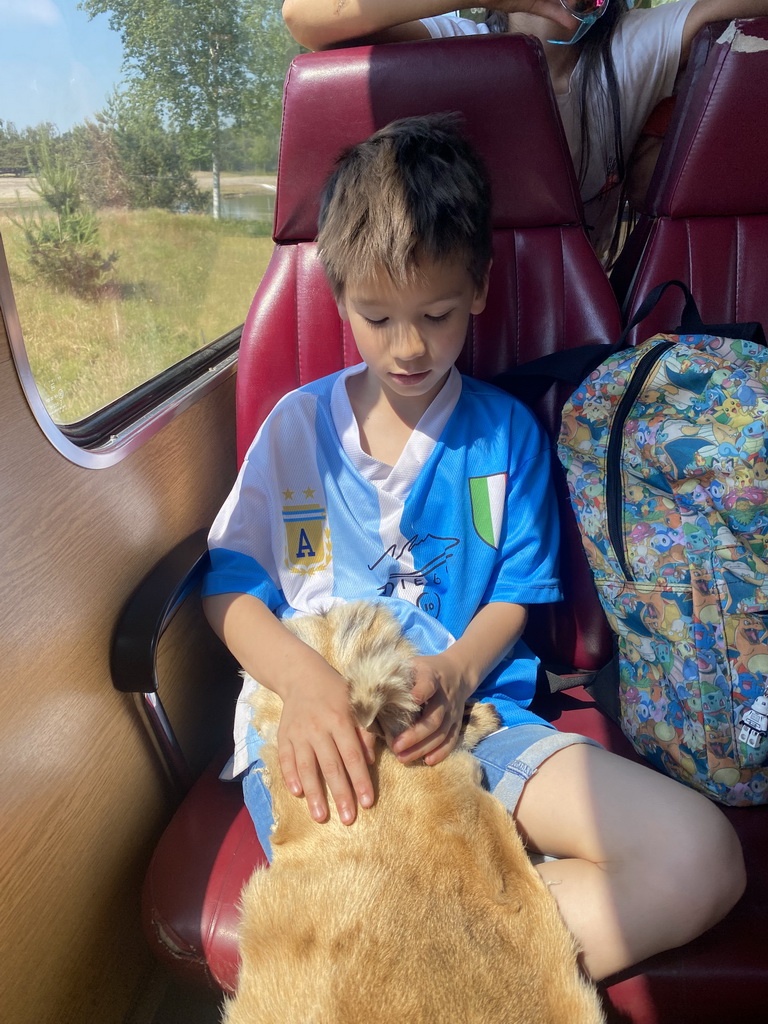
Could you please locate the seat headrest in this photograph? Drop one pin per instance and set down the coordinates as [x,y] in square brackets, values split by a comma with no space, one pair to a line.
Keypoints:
[714,162]
[501,86]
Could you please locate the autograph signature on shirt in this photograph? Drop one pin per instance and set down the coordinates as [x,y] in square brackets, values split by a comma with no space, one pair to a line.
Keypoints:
[434,554]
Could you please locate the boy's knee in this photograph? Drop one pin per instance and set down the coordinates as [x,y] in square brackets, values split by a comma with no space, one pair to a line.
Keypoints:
[712,862]
[731,871]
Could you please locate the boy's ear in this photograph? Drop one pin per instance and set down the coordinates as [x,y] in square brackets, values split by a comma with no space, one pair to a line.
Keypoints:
[481,293]
[342,308]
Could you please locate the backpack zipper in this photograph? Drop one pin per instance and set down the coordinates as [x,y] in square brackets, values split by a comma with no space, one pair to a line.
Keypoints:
[613,497]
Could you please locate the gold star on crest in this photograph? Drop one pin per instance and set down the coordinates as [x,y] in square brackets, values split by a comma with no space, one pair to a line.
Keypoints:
[288,495]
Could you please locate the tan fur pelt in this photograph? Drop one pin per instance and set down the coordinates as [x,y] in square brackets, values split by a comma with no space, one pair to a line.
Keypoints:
[426,910]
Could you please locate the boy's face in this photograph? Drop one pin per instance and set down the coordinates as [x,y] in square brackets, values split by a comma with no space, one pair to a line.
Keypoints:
[410,335]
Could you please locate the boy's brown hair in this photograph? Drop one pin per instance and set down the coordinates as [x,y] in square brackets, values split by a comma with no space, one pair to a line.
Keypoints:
[414,190]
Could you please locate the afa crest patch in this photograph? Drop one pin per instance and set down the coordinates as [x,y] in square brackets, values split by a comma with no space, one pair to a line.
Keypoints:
[307,535]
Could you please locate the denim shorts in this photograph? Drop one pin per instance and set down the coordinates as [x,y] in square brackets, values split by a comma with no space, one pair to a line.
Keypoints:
[509,758]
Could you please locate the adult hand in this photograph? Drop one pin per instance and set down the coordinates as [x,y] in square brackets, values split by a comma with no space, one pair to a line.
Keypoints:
[553,10]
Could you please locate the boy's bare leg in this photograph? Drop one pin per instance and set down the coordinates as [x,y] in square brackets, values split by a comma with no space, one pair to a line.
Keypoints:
[646,863]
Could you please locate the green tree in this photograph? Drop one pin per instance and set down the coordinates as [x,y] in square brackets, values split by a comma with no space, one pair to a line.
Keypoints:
[276,48]
[21,149]
[93,149]
[12,146]
[64,248]
[201,64]
[127,157]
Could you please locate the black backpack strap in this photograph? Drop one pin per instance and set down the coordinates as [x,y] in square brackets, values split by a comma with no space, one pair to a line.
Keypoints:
[690,321]
[529,381]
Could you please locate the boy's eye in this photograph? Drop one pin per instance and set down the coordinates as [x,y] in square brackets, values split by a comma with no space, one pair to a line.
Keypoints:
[376,323]
[438,319]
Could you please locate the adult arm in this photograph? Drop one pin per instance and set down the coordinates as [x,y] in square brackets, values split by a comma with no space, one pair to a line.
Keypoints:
[320,24]
[705,11]
[317,737]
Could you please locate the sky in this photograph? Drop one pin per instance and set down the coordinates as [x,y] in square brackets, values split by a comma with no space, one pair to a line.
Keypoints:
[55,64]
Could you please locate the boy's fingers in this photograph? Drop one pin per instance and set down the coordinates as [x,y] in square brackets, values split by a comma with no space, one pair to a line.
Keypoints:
[440,753]
[344,768]
[436,745]
[312,787]
[423,691]
[368,740]
[356,764]
[432,717]
[288,768]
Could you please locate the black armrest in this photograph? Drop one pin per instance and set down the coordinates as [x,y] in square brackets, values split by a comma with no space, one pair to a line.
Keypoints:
[139,628]
[149,611]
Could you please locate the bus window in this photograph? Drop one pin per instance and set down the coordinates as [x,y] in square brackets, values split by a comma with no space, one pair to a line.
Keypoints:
[137,177]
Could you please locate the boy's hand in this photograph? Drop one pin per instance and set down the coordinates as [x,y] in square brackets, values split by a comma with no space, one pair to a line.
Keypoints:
[442,691]
[318,739]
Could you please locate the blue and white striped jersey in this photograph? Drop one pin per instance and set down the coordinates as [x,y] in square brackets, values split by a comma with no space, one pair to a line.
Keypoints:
[465,517]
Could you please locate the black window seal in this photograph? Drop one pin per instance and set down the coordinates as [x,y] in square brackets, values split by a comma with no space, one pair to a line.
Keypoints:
[97,429]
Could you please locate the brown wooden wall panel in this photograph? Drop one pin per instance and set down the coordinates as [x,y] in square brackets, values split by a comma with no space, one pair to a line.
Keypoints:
[83,797]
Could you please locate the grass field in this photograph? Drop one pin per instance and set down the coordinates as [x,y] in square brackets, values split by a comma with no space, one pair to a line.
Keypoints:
[181,281]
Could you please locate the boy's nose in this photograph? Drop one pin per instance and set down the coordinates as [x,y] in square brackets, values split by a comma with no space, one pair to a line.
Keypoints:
[408,344]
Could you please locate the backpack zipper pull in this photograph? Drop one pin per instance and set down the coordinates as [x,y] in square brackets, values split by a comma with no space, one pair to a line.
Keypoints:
[754,722]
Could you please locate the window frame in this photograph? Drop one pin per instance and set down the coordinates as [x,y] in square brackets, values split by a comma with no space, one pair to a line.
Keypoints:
[108,435]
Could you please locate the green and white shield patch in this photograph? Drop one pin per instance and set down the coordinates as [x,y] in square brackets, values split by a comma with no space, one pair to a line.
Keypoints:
[487,494]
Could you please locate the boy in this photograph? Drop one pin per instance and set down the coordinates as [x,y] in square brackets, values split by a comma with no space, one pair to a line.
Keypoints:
[399,480]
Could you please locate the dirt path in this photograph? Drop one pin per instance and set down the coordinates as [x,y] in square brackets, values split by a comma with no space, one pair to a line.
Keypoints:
[238,184]
[19,190]
[15,190]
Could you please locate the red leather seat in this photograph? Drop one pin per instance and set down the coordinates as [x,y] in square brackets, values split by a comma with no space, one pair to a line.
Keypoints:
[705,216]
[548,292]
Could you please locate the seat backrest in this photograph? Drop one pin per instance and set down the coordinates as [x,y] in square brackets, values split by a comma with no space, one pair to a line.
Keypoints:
[705,217]
[547,290]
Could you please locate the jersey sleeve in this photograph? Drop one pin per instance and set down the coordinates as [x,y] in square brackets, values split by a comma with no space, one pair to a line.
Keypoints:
[240,541]
[525,571]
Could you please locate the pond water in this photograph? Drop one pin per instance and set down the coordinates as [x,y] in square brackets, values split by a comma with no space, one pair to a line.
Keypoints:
[254,206]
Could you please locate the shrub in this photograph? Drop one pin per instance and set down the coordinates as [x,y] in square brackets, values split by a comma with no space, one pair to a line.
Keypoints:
[64,247]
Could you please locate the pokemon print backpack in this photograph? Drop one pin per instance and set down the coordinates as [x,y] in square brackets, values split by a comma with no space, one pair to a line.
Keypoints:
[664,447]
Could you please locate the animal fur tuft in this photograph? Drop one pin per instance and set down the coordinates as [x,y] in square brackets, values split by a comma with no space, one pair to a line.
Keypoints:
[378,670]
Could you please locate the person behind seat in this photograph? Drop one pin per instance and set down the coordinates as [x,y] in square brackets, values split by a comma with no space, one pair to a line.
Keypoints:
[606,83]
[399,480]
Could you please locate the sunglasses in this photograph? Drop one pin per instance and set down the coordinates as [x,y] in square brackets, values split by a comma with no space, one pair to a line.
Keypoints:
[585,11]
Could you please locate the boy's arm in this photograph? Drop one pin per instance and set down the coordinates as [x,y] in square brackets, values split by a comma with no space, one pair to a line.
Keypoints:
[444,682]
[317,736]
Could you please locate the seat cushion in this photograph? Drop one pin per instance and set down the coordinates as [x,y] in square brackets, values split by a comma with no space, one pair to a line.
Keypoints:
[192,887]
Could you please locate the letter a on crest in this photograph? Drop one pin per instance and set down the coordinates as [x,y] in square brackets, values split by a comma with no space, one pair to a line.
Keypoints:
[307,538]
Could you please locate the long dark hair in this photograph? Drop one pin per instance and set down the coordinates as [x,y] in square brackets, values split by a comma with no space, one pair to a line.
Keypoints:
[594,56]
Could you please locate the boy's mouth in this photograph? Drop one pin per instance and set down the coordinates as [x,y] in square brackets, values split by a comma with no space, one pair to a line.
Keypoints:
[410,379]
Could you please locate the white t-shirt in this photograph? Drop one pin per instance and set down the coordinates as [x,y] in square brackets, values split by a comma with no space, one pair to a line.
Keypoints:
[646,53]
